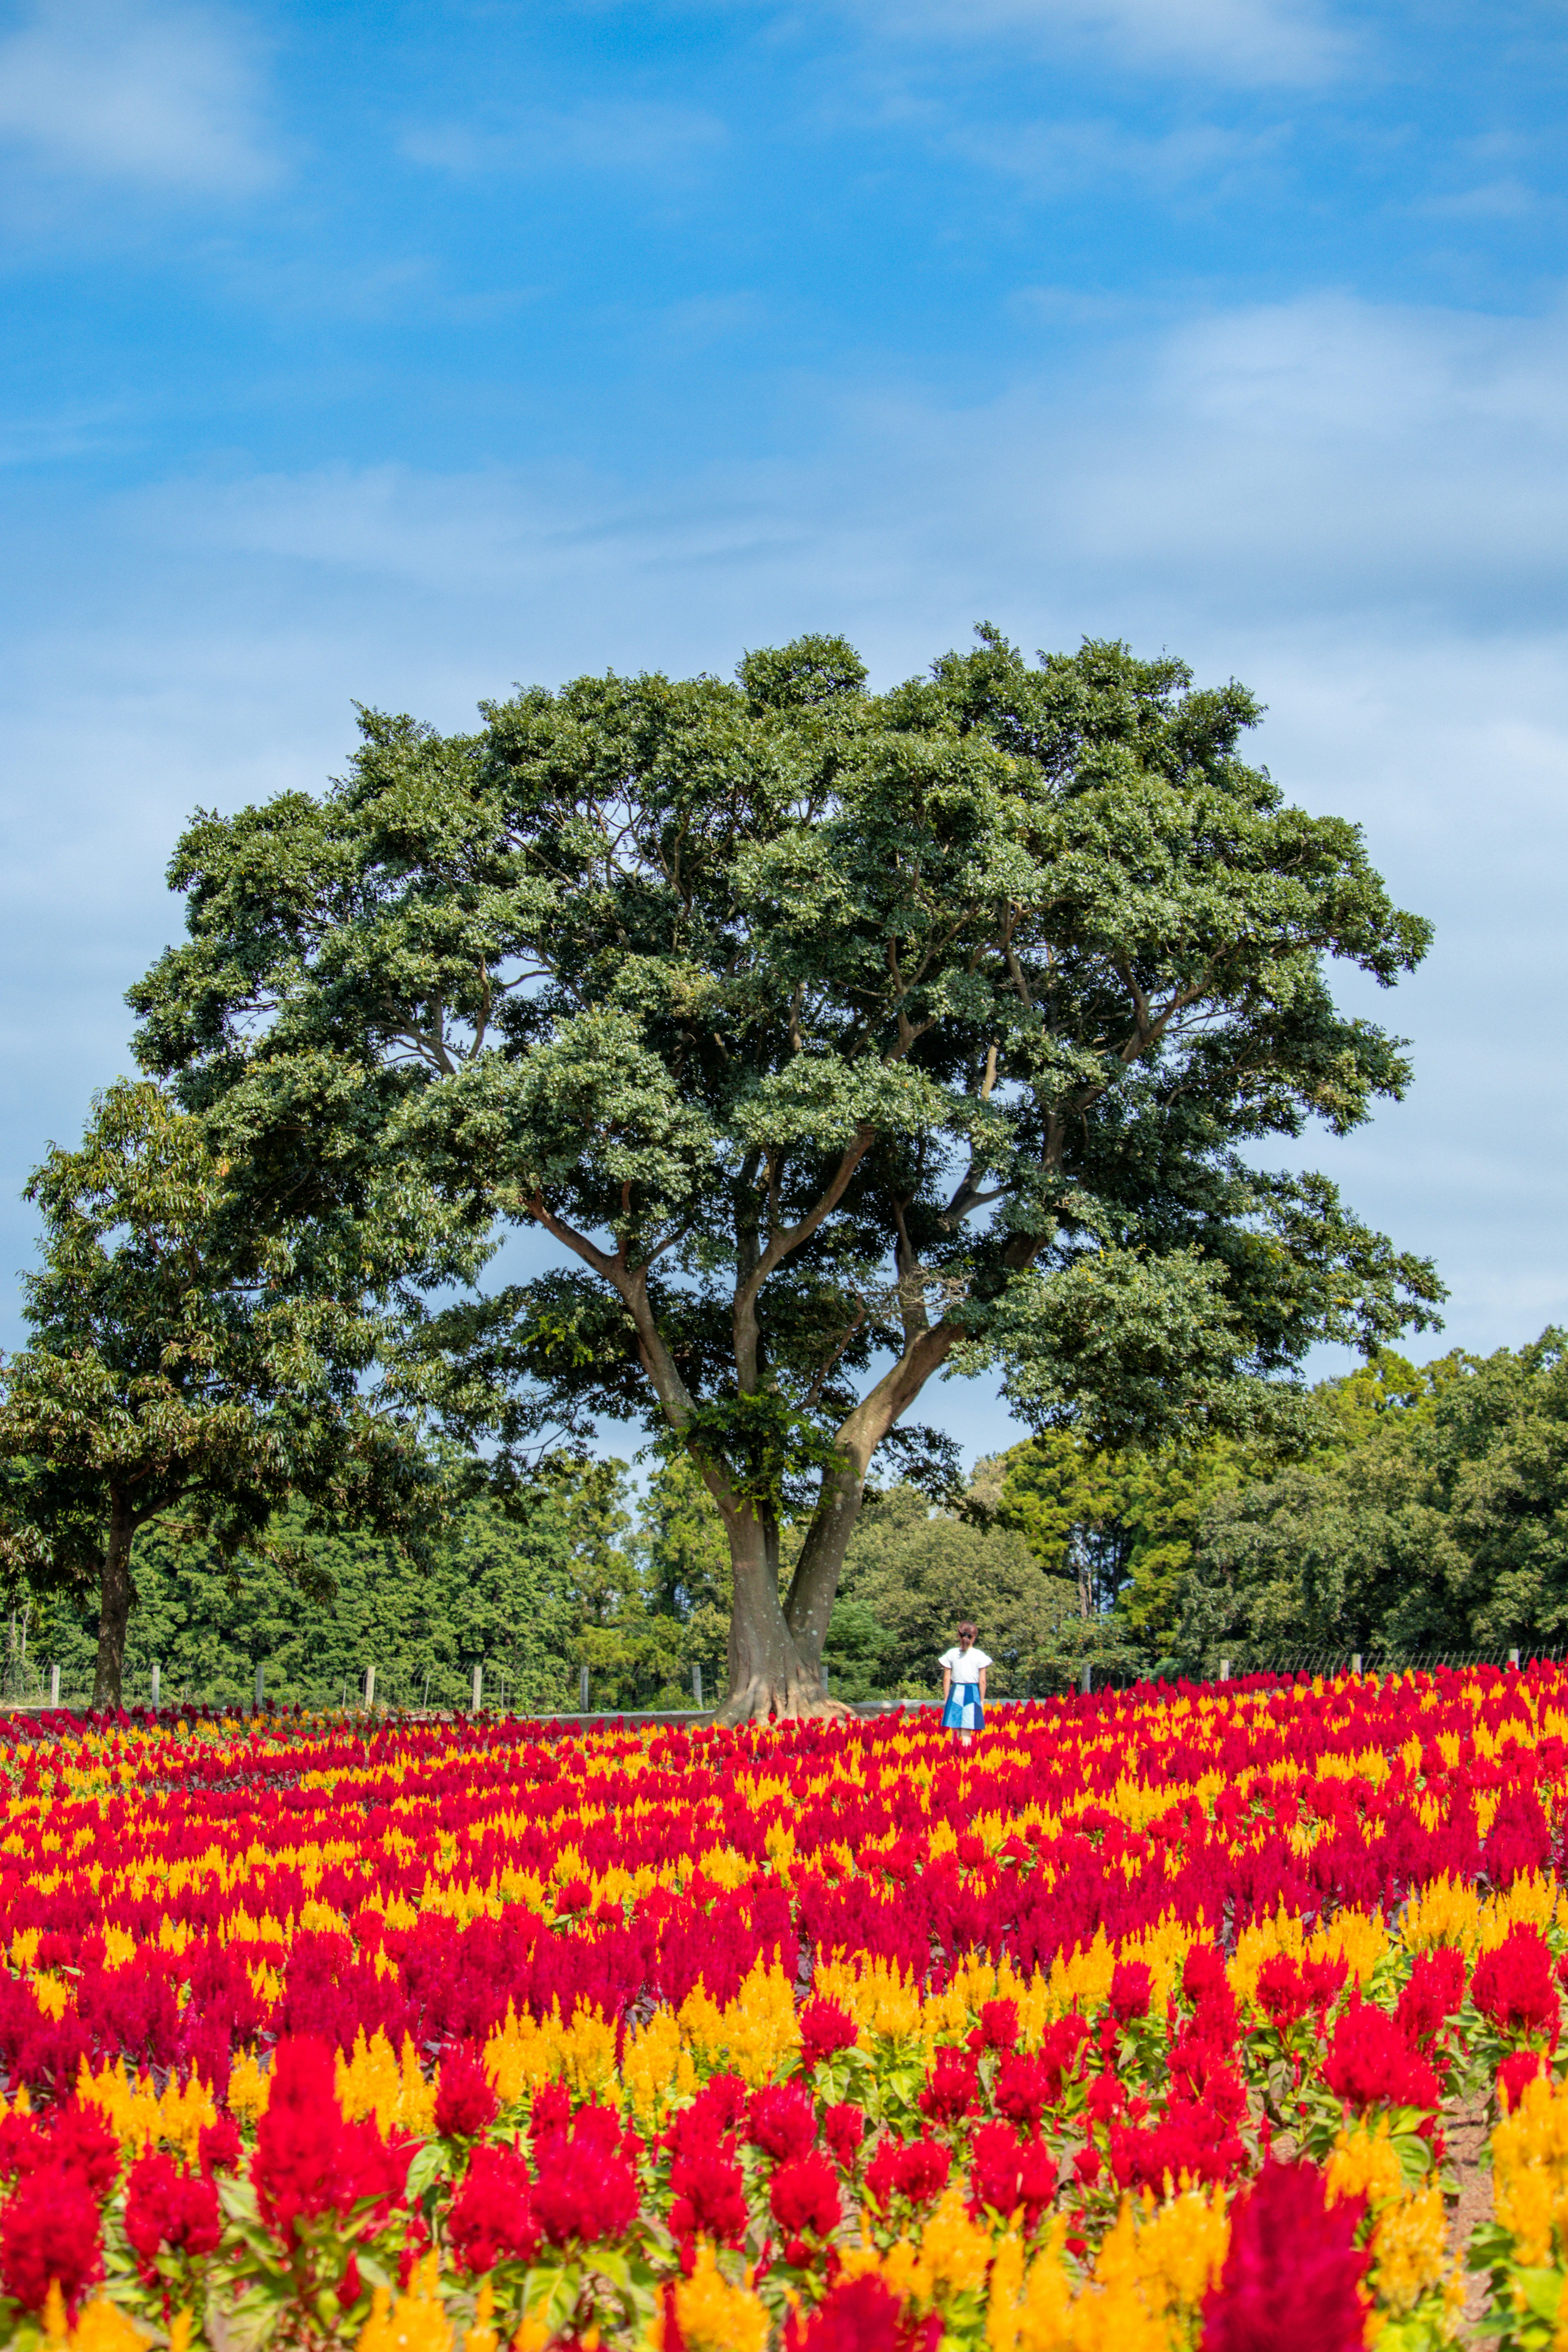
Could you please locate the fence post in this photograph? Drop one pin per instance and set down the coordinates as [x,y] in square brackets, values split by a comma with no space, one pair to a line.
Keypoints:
[260,1682]
[1356,1661]
[697,1683]
[582,1690]
[1514,1657]
[54,1685]
[823,1671]
[1224,1669]
[479,1687]
[369,1688]
[1086,1680]
[157,1677]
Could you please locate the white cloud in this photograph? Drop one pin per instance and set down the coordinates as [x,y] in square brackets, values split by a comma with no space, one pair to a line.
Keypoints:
[630,135]
[1363,513]
[164,96]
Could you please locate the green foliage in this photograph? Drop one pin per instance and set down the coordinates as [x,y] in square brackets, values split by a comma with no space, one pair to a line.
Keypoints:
[181,1363]
[918,1574]
[567,1576]
[1431,1516]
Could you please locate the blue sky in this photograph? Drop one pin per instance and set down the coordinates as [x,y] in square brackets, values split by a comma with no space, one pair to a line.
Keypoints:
[397,353]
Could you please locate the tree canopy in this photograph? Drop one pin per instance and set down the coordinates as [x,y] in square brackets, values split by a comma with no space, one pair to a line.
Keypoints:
[837,1039]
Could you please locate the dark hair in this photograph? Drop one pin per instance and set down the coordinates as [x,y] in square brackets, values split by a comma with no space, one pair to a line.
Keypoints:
[967,1633]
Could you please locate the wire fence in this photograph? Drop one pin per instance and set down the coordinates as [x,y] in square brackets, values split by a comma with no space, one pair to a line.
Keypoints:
[492,1688]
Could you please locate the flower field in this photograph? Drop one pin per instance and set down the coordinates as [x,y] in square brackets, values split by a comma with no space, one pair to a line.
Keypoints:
[1151,2019]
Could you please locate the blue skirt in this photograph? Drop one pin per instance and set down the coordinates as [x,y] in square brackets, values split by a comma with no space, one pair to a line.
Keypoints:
[964,1711]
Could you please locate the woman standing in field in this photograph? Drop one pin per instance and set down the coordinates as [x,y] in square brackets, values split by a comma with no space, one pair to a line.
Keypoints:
[963,1686]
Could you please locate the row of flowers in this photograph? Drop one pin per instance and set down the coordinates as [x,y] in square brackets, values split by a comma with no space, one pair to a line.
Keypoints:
[1151,2019]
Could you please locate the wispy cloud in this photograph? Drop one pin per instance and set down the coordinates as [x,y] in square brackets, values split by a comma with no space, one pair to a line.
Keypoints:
[1049,158]
[1289,42]
[626,136]
[162,96]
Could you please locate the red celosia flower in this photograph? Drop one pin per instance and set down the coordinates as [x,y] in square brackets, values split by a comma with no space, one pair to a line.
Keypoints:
[781,2122]
[1519,1838]
[1514,1987]
[464,2101]
[308,2160]
[551,2112]
[860,2314]
[1190,2136]
[709,2195]
[998,2024]
[1282,1991]
[22,2144]
[1132,1989]
[952,2088]
[1006,2172]
[167,2207]
[219,2145]
[492,2220]
[585,2189]
[1324,1980]
[1520,2067]
[1204,1975]
[1434,1990]
[916,2168]
[1025,2087]
[1370,2064]
[1059,2048]
[1105,2098]
[718,2108]
[843,2129]
[805,2197]
[1086,2165]
[1292,2277]
[824,2029]
[51,2231]
[84,2138]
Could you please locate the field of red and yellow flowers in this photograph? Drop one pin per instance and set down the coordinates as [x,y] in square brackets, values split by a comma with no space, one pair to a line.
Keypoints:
[1151,2019]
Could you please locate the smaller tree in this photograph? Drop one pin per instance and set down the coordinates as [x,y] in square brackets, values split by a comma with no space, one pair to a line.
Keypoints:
[182,1369]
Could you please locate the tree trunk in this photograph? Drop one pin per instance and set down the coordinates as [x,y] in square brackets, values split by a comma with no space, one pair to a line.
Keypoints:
[768,1674]
[117,1594]
[814,1584]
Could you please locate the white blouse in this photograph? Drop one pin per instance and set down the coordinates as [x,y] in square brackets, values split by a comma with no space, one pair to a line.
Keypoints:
[964,1666]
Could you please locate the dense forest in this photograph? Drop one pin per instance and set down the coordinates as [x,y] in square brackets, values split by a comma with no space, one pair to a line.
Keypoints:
[1415,1510]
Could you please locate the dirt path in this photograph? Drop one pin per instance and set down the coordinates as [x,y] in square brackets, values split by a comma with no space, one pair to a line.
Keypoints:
[1466,2126]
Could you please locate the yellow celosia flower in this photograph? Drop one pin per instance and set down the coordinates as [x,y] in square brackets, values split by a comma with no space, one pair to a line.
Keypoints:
[101,2328]
[1179,2249]
[481,2336]
[247,2088]
[1530,2171]
[54,2314]
[713,2314]
[414,2322]
[955,2253]
[651,2065]
[1365,2162]
[371,2081]
[757,2035]
[1410,2249]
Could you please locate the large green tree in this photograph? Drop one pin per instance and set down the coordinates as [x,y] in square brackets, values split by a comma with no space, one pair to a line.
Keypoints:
[835,1040]
[182,1368]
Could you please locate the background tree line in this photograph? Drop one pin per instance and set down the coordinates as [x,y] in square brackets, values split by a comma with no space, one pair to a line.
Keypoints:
[1418,1509]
